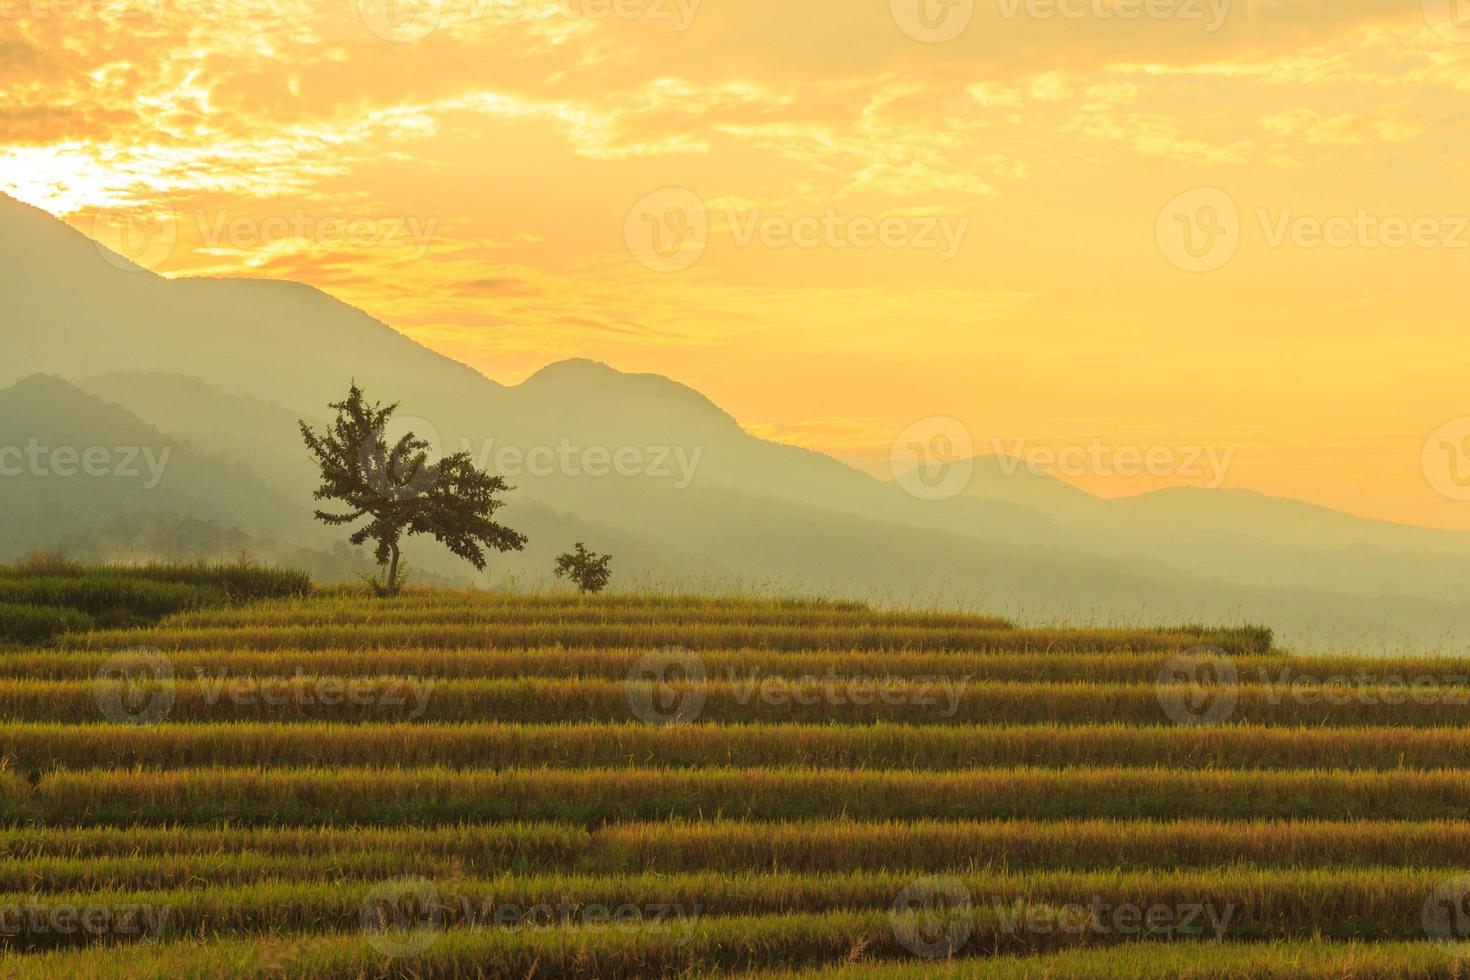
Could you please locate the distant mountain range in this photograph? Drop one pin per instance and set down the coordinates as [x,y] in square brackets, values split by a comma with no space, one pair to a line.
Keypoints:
[102,355]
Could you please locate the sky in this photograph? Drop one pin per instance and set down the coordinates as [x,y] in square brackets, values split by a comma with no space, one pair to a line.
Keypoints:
[1139,243]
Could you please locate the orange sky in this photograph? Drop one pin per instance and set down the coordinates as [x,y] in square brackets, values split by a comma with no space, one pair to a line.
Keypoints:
[1110,228]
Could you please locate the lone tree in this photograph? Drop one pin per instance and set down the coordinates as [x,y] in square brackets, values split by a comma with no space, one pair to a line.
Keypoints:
[400,493]
[586,569]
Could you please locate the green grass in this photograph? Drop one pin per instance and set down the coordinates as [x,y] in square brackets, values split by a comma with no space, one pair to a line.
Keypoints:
[48,596]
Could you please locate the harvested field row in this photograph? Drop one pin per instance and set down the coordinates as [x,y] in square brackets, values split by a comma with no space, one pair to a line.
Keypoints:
[846,701]
[594,797]
[263,616]
[752,665]
[143,858]
[350,597]
[494,745]
[820,943]
[692,636]
[1231,903]
[1169,961]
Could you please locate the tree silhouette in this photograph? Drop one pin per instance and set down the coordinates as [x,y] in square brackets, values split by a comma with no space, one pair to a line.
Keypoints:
[400,493]
[586,569]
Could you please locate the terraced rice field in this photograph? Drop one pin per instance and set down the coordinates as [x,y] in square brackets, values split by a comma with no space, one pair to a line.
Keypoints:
[469,785]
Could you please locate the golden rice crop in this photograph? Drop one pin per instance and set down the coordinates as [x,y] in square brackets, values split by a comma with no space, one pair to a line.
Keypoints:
[277,616]
[821,943]
[851,701]
[1317,960]
[694,636]
[40,746]
[1239,904]
[742,664]
[160,858]
[593,797]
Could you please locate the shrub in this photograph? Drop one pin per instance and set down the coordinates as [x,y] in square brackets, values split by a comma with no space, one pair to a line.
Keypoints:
[1242,639]
[239,581]
[21,623]
[112,597]
[54,563]
[587,570]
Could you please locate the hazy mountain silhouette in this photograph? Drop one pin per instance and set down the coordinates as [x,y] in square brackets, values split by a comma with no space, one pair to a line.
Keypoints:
[69,461]
[221,369]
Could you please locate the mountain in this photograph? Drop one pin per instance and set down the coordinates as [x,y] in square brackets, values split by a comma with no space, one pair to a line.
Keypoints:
[634,464]
[74,308]
[1244,537]
[71,461]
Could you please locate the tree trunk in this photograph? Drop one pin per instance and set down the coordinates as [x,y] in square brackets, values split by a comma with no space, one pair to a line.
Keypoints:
[392,586]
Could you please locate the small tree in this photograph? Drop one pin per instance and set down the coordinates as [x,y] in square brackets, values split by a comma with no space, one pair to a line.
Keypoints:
[587,570]
[400,493]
